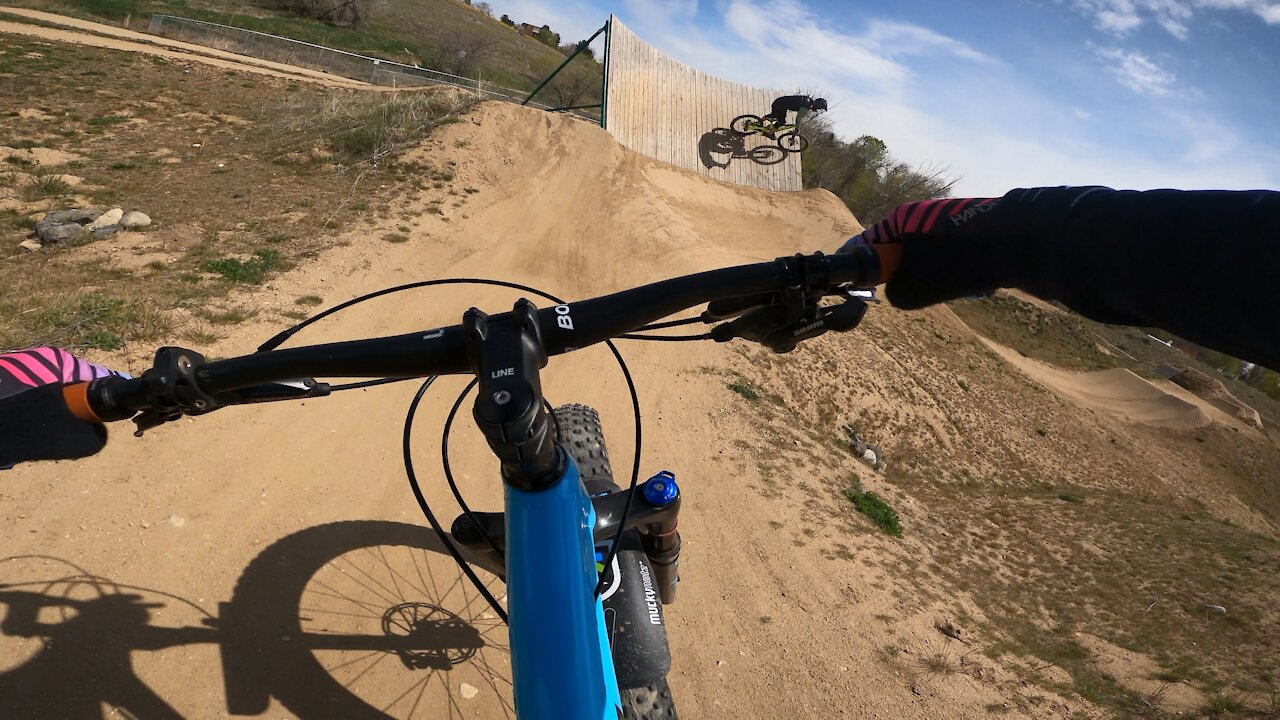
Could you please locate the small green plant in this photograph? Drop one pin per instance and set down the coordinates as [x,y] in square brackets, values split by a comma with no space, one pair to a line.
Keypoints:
[963,385]
[360,206]
[156,265]
[403,228]
[460,143]
[229,316]
[396,237]
[434,208]
[276,238]
[1221,704]
[309,300]
[202,334]
[24,144]
[104,121]
[766,620]
[938,663]
[745,389]
[295,314]
[875,508]
[1068,497]
[45,186]
[125,166]
[19,161]
[892,650]
[249,272]
[1042,432]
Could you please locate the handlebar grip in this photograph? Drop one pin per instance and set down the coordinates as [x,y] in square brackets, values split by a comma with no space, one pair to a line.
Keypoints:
[41,424]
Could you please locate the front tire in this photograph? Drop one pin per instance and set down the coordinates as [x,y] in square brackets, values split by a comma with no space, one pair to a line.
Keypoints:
[793,142]
[651,702]
[578,431]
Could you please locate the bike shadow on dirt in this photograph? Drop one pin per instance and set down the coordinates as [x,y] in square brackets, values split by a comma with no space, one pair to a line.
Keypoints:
[718,147]
[313,613]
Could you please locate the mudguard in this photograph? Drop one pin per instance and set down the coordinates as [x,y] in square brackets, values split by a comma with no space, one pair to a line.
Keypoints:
[633,616]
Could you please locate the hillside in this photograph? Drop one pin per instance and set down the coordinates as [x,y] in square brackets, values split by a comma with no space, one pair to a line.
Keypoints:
[408,31]
[1058,554]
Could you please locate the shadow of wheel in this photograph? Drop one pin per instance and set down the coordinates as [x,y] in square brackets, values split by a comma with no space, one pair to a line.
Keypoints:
[364,620]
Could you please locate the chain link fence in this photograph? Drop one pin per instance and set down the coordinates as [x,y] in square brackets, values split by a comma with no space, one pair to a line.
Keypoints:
[276,48]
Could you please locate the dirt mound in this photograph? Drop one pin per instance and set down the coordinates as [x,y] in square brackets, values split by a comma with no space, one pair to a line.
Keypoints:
[1117,392]
[1216,394]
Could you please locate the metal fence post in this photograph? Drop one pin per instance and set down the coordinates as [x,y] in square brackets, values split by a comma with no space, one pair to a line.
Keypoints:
[604,76]
[581,46]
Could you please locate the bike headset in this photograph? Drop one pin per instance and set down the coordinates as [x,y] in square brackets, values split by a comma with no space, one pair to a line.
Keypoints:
[778,320]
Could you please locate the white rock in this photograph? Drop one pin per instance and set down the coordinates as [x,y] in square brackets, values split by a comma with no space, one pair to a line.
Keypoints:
[31,245]
[110,217]
[467,691]
[133,220]
[177,520]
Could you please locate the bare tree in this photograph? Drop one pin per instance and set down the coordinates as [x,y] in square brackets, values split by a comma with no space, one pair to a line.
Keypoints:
[578,84]
[485,8]
[342,13]
[461,55]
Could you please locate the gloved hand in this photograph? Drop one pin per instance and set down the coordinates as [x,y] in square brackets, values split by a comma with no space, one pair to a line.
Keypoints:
[937,250]
[35,423]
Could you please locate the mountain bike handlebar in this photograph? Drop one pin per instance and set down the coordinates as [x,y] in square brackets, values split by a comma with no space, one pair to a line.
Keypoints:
[181,382]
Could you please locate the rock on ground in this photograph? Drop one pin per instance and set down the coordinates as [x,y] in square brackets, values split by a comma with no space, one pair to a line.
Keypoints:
[134,220]
[52,233]
[110,217]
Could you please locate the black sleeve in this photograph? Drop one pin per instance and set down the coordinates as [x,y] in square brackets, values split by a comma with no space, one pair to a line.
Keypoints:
[1204,265]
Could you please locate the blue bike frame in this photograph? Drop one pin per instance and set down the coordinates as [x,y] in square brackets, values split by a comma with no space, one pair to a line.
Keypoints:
[561,664]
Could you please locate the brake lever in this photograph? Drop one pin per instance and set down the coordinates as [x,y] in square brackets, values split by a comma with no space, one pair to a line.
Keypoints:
[775,328]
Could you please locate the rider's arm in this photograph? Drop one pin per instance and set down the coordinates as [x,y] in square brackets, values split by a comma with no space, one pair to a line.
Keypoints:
[1203,265]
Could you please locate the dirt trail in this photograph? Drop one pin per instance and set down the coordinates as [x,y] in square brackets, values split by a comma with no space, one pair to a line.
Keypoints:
[765,627]
[84,32]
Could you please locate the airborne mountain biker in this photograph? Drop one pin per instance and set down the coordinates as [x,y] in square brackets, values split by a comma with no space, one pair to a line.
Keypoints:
[1201,264]
[799,104]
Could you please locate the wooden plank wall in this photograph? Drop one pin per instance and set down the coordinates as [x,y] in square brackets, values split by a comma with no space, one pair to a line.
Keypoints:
[670,111]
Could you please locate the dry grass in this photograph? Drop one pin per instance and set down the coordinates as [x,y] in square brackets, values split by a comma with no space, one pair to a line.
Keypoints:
[361,128]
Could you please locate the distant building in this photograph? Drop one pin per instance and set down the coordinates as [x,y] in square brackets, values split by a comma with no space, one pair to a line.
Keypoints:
[529,30]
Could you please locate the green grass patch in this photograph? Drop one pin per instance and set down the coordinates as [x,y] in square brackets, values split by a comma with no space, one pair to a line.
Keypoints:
[396,238]
[876,509]
[105,121]
[229,316]
[19,161]
[309,300]
[99,321]
[125,166]
[744,388]
[45,186]
[248,272]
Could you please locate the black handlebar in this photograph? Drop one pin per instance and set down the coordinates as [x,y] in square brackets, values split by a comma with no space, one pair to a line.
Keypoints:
[442,351]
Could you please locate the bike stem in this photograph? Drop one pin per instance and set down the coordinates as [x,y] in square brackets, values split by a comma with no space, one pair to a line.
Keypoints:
[506,354]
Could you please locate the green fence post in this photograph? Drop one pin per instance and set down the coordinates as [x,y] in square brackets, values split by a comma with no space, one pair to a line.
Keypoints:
[581,46]
[604,76]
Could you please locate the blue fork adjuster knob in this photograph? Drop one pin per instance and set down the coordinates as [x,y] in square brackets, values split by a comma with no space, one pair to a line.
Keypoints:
[661,489]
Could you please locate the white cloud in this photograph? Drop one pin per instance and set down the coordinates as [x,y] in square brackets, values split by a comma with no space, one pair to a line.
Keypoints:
[1137,72]
[1268,11]
[1081,114]
[1177,17]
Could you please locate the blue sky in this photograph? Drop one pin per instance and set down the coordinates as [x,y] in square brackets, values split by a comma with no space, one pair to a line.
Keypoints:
[1006,93]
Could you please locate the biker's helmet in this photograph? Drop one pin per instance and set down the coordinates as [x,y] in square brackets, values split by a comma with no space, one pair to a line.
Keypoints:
[819,104]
